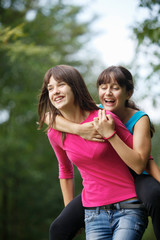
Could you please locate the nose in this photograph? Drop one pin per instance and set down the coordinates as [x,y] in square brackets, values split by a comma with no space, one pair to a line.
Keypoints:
[108,91]
[56,90]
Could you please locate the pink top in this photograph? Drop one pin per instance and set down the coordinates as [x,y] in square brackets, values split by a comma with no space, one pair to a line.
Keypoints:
[106,178]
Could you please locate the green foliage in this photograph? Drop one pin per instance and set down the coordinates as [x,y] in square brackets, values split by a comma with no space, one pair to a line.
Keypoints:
[149,234]
[147,35]
[155,145]
[148,30]
[30,196]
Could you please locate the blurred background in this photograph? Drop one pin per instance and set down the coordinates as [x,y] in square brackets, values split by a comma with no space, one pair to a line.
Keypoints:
[89,35]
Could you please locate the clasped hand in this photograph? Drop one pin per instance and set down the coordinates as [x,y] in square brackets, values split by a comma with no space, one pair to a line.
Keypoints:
[104,124]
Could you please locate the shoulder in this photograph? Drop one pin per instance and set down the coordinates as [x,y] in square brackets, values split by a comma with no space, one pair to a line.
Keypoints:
[134,115]
[140,117]
[141,124]
[139,114]
[54,136]
[143,121]
[136,118]
[92,114]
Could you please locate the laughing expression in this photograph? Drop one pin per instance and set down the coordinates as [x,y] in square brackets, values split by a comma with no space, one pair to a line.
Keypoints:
[112,96]
[60,94]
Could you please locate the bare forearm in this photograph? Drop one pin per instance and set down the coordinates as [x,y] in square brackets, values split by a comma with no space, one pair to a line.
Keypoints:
[63,125]
[135,158]
[67,188]
[132,158]
[86,130]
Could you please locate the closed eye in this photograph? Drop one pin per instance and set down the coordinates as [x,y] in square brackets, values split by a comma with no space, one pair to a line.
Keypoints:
[103,87]
[116,88]
[50,88]
[62,84]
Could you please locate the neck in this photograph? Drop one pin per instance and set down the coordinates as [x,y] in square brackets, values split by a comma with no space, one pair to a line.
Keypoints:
[125,114]
[75,115]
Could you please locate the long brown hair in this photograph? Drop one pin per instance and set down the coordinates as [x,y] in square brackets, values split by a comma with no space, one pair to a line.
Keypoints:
[124,79]
[74,79]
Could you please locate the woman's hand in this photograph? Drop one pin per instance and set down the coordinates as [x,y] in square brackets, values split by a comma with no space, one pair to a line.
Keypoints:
[89,132]
[104,124]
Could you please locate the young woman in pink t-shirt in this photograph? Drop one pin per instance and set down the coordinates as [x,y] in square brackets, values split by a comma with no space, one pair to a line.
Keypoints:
[115,86]
[112,210]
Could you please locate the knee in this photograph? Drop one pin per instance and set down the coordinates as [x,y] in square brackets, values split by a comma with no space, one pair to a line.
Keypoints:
[154,197]
[54,230]
[148,191]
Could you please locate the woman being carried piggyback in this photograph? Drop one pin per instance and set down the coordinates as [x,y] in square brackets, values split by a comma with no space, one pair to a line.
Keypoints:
[108,194]
[115,86]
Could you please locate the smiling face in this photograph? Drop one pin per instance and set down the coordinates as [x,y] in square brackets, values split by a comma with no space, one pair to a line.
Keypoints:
[60,94]
[112,96]
[115,86]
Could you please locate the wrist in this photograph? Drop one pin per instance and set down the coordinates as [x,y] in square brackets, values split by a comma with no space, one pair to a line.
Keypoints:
[77,129]
[107,138]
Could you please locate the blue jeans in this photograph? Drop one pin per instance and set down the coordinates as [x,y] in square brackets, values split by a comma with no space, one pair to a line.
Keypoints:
[123,224]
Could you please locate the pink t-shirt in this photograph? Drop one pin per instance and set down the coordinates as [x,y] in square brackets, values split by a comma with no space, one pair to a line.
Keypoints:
[106,178]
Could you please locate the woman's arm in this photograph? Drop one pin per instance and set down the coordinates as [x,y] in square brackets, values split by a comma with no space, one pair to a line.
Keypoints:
[67,188]
[66,169]
[86,130]
[142,141]
[135,158]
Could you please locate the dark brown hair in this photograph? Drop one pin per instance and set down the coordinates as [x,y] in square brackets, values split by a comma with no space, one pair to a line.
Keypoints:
[74,79]
[124,78]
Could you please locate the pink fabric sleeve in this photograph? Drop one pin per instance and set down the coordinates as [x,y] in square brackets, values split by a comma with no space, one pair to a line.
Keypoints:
[66,169]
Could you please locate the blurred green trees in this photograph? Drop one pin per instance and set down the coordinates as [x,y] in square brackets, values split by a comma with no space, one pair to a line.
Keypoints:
[146,32]
[33,38]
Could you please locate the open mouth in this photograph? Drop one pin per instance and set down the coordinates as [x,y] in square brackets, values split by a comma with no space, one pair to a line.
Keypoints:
[109,101]
[58,99]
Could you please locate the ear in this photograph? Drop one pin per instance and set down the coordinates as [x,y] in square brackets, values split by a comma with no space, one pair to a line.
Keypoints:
[129,94]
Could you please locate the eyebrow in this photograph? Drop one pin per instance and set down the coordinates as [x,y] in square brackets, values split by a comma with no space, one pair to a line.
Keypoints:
[105,83]
[49,85]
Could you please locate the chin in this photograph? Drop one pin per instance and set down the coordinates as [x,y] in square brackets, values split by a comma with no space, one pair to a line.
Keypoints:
[108,108]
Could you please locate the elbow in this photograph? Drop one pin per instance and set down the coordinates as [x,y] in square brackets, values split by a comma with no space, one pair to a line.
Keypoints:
[138,171]
[141,168]
[141,161]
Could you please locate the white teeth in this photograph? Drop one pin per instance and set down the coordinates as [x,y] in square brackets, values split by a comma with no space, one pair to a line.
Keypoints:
[58,98]
[109,100]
